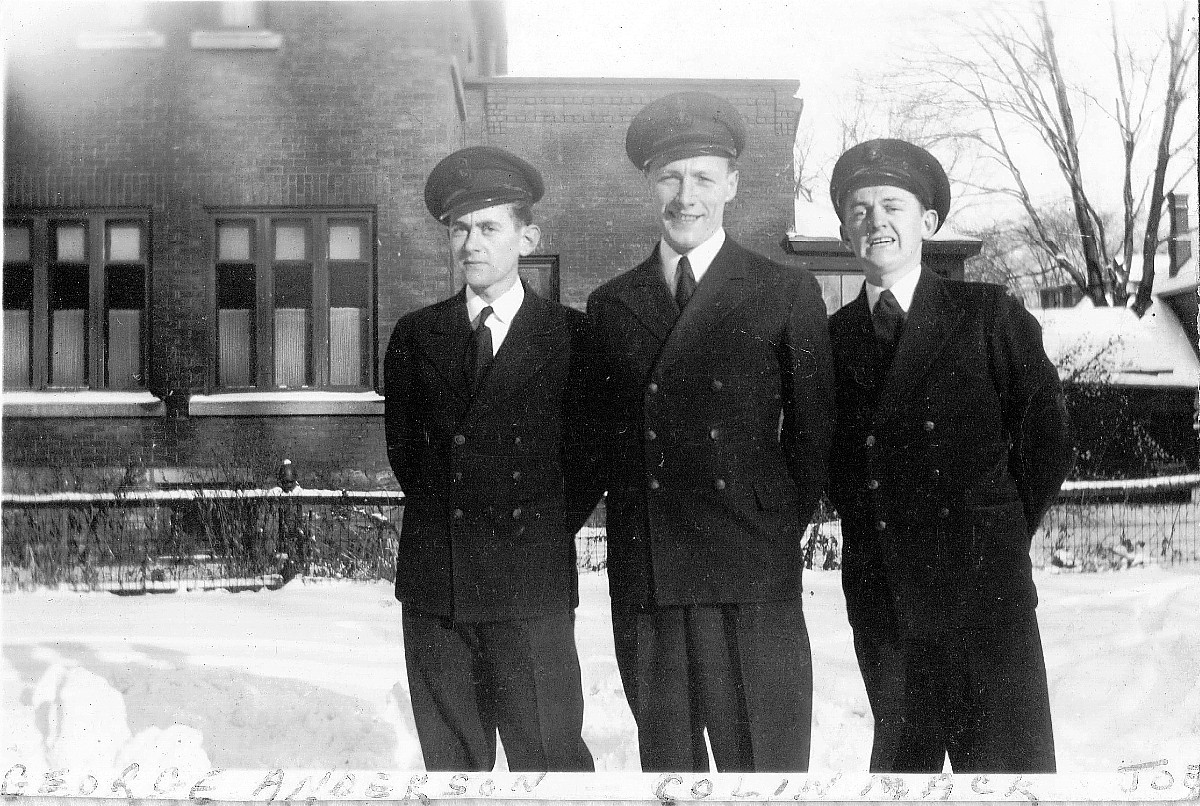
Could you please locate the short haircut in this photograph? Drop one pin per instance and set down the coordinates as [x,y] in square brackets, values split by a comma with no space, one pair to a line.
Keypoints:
[522,213]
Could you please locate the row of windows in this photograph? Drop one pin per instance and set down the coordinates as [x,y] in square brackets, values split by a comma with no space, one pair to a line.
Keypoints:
[292,299]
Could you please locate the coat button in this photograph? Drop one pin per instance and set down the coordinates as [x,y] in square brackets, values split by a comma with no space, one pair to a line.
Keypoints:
[653,484]
[650,435]
[943,513]
[870,440]
[717,385]
[516,440]
[459,439]
[517,514]
[653,387]
[719,484]
[873,484]
[516,475]
[458,514]
[458,476]
[713,434]
[928,425]
[880,526]
[935,473]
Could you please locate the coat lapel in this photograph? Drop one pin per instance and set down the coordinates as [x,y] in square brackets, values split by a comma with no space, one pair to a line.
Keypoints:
[531,342]
[856,345]
[931,320]
[447,342]
[649,299]
[724,287]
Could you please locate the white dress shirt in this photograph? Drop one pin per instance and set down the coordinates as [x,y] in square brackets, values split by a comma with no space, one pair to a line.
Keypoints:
[902,290]
[701,258]
[503,310]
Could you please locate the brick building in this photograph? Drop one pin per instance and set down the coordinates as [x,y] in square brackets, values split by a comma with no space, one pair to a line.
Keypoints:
[213,218]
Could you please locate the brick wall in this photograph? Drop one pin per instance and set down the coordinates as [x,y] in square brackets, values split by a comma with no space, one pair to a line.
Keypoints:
[596,214]
[87,453]
[354,109]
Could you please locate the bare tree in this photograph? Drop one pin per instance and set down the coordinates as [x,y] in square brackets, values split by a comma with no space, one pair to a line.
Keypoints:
[1015,81]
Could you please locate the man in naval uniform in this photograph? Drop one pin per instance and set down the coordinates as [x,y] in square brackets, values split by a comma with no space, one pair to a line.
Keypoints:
[717,411]
[952,441]
[483,396]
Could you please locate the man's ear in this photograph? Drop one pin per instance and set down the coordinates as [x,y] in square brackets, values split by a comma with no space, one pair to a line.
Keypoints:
[531,236]
[733,185]
[929,224]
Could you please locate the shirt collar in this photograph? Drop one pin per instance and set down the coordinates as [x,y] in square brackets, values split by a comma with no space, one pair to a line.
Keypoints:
[701,257]
[504,308]
[903,289]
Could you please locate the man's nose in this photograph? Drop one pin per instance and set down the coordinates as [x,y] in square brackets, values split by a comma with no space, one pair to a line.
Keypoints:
[687,189]
[471,242]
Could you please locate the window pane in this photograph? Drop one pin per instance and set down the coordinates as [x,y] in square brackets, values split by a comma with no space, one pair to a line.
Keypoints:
[345,242]
[16,349]
[346,340]
[235,346]
[233,241]
[68,347]
[290,243]
[291,347]
[71,243]
[124,349]
[124,242]
[240,15]
[16,244]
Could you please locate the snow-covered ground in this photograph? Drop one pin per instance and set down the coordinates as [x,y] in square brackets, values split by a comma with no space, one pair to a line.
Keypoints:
[312,677]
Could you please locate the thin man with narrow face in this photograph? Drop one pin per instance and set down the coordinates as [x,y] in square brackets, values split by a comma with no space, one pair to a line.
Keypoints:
[483,400]
[704,350]
[952,441]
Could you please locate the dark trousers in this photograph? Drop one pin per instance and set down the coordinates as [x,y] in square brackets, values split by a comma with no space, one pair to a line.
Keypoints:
[741,672]
[521,678]
[978,695]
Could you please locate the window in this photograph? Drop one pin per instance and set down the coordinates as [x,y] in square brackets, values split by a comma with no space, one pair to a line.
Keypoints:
[237,26]
[294,299]
[75,291]
[120,25]
[540,273]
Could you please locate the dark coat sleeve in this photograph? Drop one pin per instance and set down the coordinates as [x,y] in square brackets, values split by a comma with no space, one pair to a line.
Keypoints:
[401,431]
[1035,411]
[583,479]
[809,405]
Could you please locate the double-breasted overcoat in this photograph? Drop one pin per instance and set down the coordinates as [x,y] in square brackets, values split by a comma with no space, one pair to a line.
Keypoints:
[488,529]
[942,467]
[716,425]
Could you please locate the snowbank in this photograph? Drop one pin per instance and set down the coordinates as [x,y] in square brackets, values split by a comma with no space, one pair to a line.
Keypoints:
[312,677]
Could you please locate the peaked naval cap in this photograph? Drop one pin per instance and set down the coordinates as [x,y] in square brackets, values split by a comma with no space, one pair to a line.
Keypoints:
[891,162]
[473,178]
[684,124]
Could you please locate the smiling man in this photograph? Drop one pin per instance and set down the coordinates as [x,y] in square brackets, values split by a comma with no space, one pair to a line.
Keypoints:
[952,441]
[717,410]
[484,393]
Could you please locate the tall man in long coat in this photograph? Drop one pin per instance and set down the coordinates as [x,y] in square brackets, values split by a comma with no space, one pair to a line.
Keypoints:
[952,442]
[718,409]
[482,396]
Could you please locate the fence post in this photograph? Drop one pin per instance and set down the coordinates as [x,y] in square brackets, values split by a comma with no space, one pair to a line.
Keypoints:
[291,525]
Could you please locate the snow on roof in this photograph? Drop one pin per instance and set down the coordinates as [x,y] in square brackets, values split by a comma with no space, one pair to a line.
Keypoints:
[1185,282]
[1152,351]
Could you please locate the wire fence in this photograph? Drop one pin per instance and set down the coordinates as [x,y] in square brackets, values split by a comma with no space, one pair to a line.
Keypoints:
[163,540]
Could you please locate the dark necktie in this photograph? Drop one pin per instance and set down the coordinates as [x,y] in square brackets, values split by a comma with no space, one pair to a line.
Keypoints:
[483,345]
[888,321]
[685,282]
[888,318]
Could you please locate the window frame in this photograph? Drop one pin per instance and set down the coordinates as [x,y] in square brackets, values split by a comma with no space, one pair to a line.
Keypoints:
[316,222]
[41,223]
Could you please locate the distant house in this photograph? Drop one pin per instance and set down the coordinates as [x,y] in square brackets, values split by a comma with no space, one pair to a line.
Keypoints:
[1154,359]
